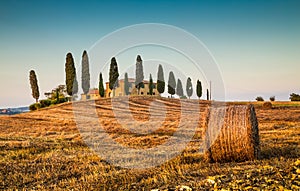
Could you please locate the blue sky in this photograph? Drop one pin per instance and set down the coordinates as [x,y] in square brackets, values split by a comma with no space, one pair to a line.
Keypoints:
[255,43]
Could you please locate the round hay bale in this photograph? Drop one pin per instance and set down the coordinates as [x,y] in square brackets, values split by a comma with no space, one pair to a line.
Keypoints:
[233,137]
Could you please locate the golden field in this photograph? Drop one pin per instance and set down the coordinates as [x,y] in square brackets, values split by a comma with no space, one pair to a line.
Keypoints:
[44,150]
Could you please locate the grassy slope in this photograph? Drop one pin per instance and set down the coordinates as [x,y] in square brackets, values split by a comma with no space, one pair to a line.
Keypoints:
[44,150]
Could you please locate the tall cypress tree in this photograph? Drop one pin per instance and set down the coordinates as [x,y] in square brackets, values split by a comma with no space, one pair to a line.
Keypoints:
[101,87]
[139,74]
[179,89]
[199,89]
[151,85]
[113,75]
[71,80]
[34,85]
[171,84]
[160,80]
[126,84]
[75,85]
[189,87]
[85,73]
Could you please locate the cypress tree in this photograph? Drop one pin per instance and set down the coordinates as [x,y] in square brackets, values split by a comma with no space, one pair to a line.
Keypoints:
[126,84]
[71,80]
[189,87]
[199,89]
[34,85]
[171,84]
[151,85]
[160,80]
[113,75]
[139,74]
[85,73]
[207,94]
[179,89]
[101,87]
[57,95]
[75,84]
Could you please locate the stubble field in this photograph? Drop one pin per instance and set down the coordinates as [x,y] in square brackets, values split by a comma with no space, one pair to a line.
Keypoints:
[44,150]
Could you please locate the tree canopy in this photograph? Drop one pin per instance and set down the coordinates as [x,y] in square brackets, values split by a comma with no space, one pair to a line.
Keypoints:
[160,80]
[85,73]
[151,85]
[189,87]
[179,89]
[113,74]
[126,84]
[71,80]
[171,83]
[199,89]
[34,85]
[139,73]
[101,87]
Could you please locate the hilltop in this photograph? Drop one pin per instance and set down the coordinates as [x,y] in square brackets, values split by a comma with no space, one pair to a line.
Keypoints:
[44,150]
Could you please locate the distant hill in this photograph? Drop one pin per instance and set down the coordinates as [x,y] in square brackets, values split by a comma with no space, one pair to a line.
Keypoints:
[13,111]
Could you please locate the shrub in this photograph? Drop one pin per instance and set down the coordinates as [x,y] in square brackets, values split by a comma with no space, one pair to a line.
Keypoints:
[45,103]
[53,102]
[294,97]
[62,100]
[272,98]
[259,98]
[34,106]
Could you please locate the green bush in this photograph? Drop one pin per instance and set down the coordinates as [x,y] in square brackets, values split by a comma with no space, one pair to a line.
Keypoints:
[183,97]
[272,98]
[294,97]
[34,106]
[259,98]
[62,100]
[53,102]
[45,103]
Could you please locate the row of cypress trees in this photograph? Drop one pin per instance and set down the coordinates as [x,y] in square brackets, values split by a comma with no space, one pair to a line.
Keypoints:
[72,83]
[172,86]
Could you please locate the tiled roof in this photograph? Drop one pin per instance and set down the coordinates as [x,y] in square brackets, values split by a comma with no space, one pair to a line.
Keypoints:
[132,80]
[93,91]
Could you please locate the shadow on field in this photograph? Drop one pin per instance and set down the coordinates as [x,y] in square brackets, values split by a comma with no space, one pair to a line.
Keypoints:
[287,151]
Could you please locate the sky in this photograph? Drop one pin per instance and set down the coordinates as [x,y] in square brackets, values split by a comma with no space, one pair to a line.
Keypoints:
[256,44]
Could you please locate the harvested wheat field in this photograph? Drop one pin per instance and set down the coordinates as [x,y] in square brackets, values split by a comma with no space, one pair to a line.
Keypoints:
[45,150]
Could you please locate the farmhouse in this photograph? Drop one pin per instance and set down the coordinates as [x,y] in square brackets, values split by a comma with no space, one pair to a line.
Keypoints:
[120,91]
[91,95]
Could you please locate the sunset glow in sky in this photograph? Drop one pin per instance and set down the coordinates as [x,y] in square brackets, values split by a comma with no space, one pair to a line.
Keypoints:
[255,43]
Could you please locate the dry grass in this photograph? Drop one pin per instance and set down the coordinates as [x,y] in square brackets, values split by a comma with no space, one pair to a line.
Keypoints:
[43,150]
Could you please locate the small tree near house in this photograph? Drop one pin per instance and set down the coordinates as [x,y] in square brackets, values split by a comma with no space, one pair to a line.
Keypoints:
[151,85]
[101,87]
